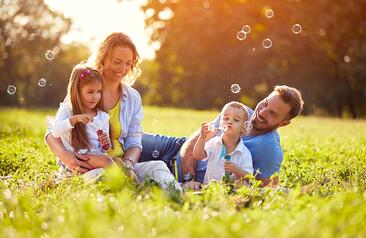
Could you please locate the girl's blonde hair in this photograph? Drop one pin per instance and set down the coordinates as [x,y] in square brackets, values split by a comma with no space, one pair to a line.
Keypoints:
[80,76]
[98,60]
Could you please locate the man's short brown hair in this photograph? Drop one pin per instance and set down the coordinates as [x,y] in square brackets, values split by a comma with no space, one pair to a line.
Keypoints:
[292,97]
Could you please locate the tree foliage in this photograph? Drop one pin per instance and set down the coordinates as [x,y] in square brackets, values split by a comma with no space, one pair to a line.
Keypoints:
[200,56]
[28,28]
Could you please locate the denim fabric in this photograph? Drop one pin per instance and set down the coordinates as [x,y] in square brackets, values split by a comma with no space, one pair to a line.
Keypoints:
[161,147]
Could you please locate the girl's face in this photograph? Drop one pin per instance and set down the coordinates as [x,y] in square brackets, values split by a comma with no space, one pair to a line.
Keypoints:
[119,63]
[90,95]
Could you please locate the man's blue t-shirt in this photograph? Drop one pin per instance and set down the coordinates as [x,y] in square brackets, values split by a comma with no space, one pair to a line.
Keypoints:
[265,149]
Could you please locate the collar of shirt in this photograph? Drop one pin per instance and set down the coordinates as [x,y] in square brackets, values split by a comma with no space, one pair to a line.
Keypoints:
[240,148]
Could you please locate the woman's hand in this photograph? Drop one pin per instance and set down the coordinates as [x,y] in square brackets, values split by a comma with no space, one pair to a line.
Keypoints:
[75,164]
[96,161]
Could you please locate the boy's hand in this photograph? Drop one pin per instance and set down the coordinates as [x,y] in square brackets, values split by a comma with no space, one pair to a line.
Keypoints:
[207,132]
[231,167]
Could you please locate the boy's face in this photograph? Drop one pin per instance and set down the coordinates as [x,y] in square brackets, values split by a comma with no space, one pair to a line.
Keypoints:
[234,119]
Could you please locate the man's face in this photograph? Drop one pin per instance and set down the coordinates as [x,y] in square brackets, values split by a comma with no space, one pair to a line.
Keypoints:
[270,113]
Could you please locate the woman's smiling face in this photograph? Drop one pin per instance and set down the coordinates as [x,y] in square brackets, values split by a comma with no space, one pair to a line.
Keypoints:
[119,63]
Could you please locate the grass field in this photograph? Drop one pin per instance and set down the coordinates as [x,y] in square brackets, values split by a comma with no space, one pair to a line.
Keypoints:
[324,168]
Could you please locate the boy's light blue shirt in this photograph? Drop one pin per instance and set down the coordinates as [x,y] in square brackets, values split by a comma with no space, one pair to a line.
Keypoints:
[266,151]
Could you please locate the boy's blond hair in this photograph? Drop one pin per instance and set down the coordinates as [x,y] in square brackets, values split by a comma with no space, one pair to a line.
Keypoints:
[238,105]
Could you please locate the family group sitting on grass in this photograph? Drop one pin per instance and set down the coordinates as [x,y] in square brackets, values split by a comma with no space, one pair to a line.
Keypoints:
[98,125]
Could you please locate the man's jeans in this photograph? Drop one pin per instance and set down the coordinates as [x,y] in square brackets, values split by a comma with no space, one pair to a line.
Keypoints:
[166,148]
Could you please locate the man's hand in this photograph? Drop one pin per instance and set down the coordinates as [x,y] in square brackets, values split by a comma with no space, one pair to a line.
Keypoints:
[194,185]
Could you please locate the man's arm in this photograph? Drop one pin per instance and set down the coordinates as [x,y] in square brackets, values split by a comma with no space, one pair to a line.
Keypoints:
[186,153]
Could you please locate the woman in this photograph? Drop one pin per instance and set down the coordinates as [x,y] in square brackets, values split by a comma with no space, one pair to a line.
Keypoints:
[116,59]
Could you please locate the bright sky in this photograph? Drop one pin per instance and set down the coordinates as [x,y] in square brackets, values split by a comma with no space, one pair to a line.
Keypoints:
[93,20]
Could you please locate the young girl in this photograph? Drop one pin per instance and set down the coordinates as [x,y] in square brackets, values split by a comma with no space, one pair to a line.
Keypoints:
[80,121]
[226,153]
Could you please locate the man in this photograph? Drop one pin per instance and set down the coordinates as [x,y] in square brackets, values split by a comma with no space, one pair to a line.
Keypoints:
[263,142]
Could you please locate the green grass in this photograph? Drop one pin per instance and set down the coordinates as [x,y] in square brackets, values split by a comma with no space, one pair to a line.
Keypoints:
[324,166]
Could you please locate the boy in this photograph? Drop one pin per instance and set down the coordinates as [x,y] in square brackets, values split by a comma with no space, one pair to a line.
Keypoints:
[216,149]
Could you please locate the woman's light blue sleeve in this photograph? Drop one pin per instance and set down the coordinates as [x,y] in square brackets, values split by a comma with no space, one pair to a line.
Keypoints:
[134,133]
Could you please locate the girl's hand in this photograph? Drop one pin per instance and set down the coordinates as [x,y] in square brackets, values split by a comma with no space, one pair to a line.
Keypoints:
[231,167]
[81,118]
[104,140]
[207,132]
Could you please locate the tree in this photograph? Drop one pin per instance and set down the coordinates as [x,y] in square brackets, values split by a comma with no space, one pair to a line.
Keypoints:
[200,56]
[27,29]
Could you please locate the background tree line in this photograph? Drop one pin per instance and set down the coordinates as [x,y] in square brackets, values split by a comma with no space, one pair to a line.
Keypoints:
[200,56]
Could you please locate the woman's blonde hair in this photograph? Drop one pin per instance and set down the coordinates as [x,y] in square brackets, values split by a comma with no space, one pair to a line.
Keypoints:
[116,39]
[80,76]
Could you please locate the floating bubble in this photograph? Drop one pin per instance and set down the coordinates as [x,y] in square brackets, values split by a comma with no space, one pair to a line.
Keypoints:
[269,13]
[211,127]
[248,125]
[235,88]
[296,28]
[224,128]
[347,59]
[42,82]
[241,35]
[155,154]
[246,29]
[11,89]
[267,43]
[50,55]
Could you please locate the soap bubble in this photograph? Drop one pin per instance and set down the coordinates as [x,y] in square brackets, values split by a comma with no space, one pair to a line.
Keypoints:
[248,125]
[241,35]
[246,29]
[11,89]
[296,28]
[235,88]
[42,82]
[211,127]
[155,154]
[50,55]
[224,128]
[267,43]
[269,13]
